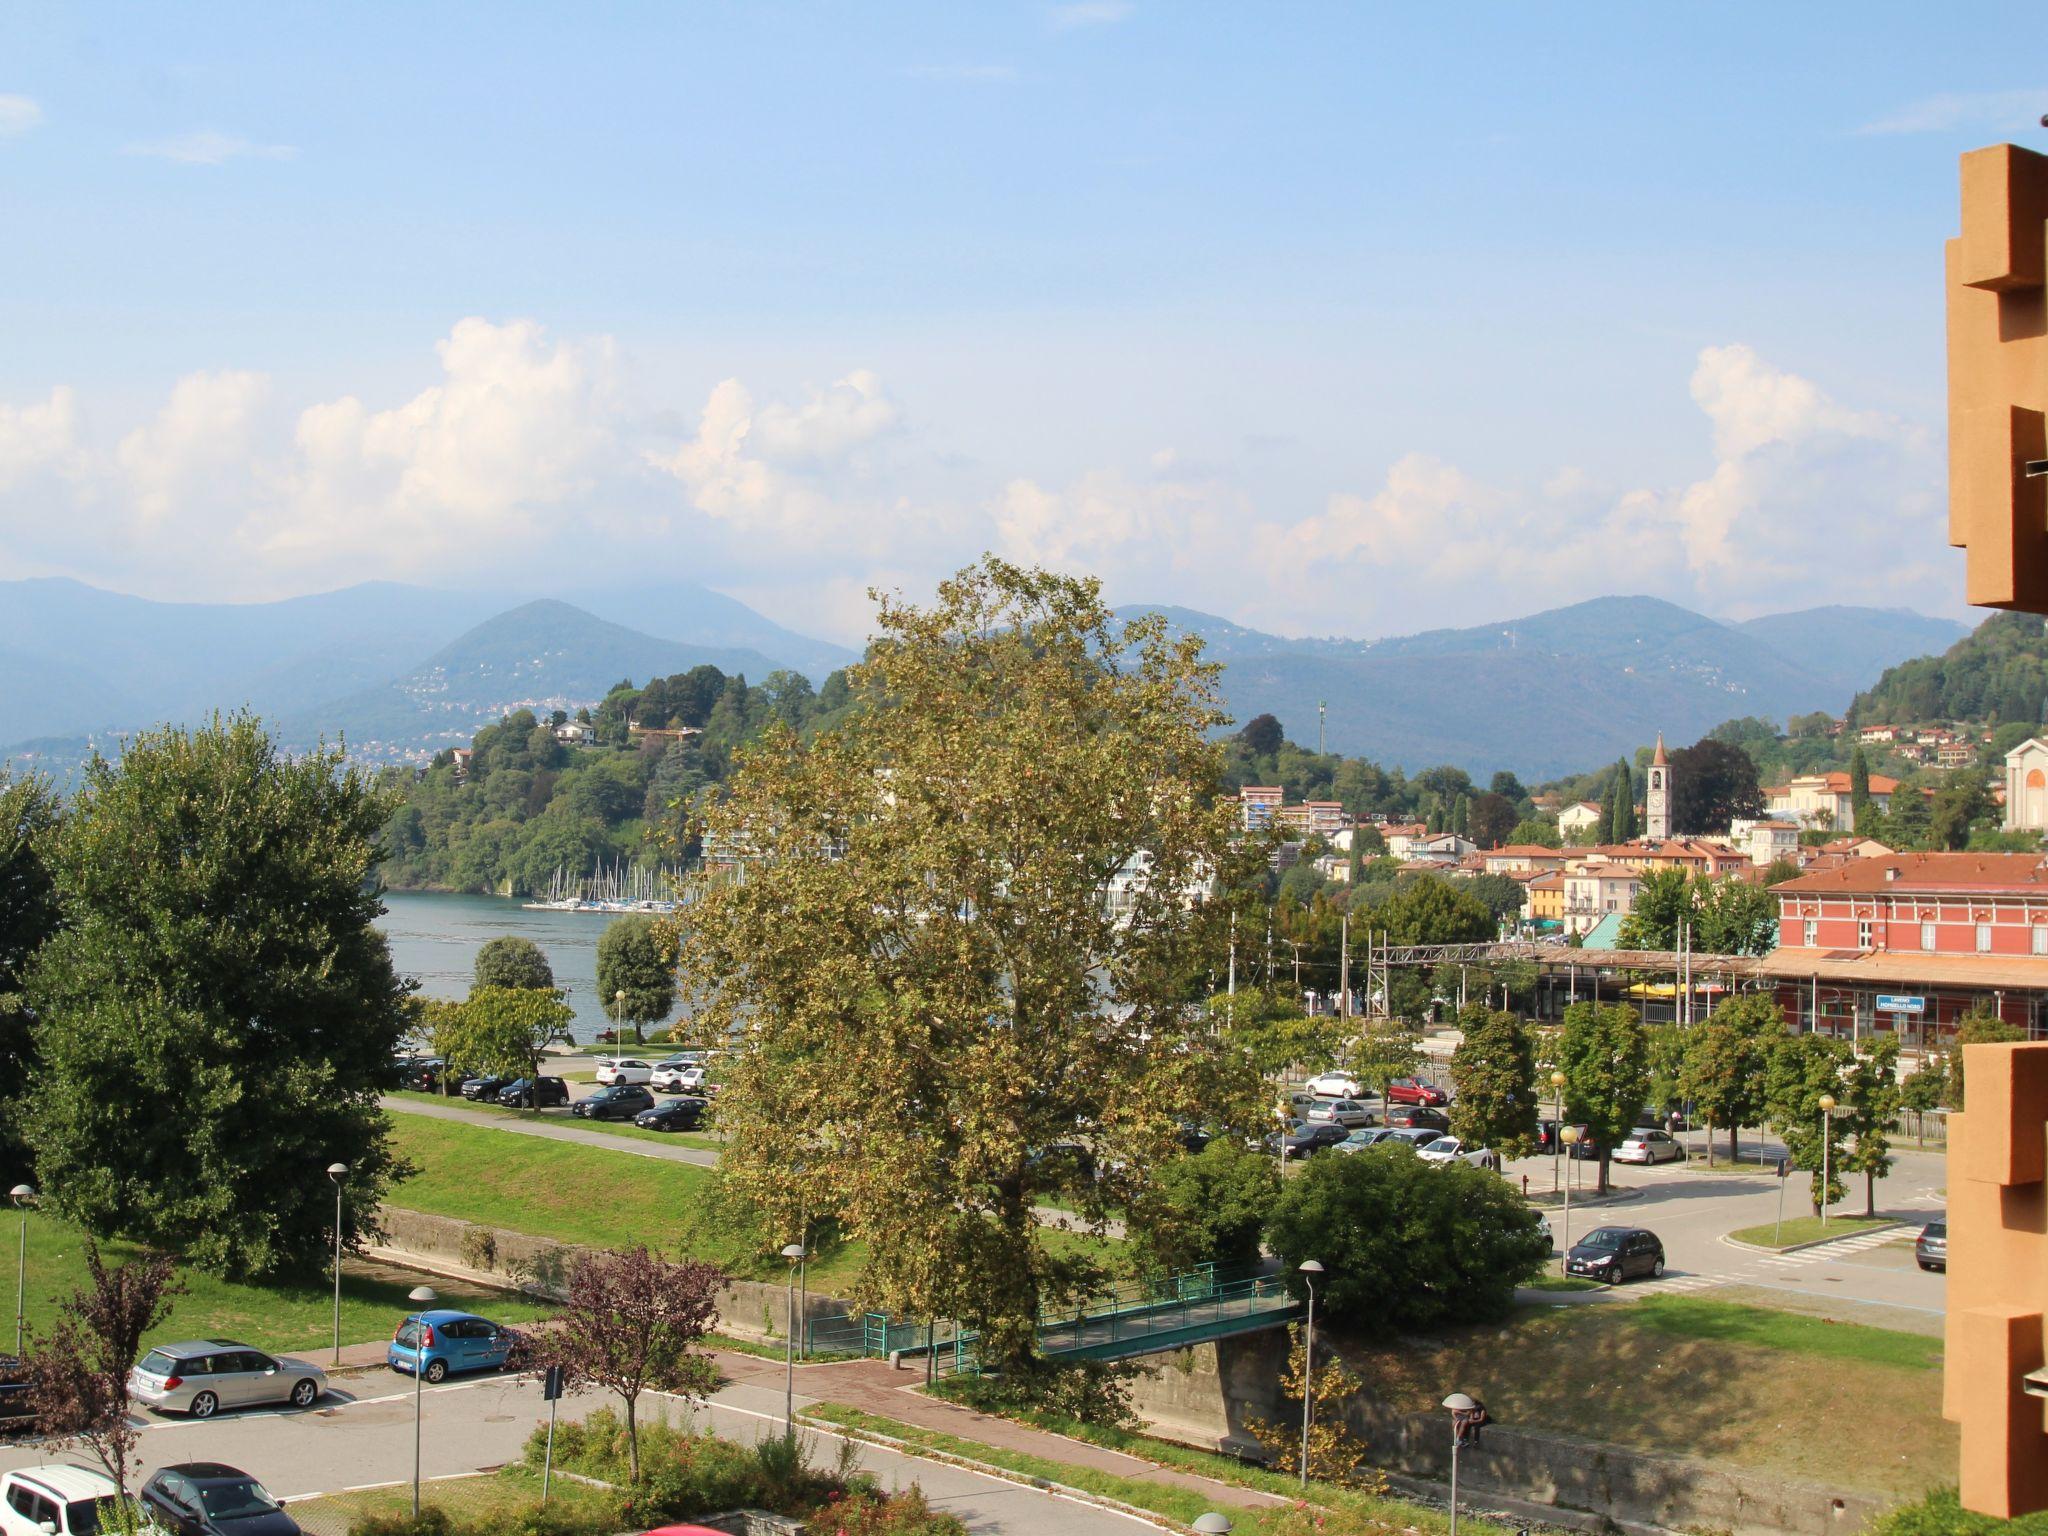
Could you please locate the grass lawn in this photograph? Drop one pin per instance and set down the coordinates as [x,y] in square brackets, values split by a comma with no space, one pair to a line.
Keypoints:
[1807,1229]
[507,1494]
[1548,1282]
[284,1316]
[1784,1392]
[1181,1505]
[698,1139]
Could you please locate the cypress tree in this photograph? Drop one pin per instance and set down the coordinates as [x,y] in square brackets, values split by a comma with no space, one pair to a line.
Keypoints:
[1624,803]
[1859,790]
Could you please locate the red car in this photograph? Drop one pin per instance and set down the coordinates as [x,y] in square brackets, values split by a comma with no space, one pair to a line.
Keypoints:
[1411,1090]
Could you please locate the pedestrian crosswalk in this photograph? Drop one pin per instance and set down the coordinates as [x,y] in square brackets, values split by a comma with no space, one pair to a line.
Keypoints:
[1764,1266]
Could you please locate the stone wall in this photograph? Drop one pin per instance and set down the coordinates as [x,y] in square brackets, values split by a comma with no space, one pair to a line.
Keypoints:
[449,1245]
[1206,1395]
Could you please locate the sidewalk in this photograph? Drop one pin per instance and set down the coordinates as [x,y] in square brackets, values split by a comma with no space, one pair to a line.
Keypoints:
[552,1130]
[874,1387]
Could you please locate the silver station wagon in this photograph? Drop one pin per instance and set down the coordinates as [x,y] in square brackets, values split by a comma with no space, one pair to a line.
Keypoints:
[203,1376]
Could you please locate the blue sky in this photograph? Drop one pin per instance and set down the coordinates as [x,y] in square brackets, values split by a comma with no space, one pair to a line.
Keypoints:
[1334,319]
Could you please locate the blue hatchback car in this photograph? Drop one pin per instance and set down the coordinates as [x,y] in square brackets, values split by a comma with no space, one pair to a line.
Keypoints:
[448,1341]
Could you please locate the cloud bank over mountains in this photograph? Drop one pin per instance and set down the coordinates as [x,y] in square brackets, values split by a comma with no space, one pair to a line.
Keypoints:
[523,452]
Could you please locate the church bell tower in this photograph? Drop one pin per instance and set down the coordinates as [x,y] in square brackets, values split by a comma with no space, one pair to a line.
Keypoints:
[1657,797]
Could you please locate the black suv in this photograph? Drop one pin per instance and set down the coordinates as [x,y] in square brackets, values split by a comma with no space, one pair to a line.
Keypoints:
[681,1114]
[621,1101]
[534,1093]
[484,1090]
[1613,1254]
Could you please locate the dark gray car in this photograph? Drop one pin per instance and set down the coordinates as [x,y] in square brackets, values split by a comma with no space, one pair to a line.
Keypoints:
[1930,1248]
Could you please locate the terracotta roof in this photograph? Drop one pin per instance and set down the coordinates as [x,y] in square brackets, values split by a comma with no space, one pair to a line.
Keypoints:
[1950,872]
[1658,760]
[1527,851]
[1905,968]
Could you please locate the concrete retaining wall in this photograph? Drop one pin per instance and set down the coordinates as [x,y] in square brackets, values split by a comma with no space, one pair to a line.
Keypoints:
[1205,1396]
[449,1245]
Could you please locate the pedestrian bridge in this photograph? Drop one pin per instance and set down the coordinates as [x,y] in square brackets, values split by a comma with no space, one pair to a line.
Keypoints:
[1137,1317]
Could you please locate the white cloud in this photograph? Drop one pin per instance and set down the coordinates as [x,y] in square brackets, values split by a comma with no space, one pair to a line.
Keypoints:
[1089,13]
[203,439]
[1986,111]
[39,438]
[18,114]
[207,147]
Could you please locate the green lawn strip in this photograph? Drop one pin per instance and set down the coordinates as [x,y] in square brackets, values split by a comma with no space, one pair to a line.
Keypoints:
[284,1316]
[1793,1332]
[1562,1283]
[697,1139]
[1807,1229]
[1164,1499]
[505,1494]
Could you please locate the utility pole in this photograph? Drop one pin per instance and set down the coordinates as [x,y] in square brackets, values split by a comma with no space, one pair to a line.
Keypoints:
[1230,1006]
[1344,963]
[1269,955]
[1320,708]
[1295,945]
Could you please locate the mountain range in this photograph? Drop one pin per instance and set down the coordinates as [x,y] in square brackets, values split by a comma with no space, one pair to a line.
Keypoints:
[401,670]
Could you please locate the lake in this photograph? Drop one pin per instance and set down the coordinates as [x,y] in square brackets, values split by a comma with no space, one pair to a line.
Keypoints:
[435,937]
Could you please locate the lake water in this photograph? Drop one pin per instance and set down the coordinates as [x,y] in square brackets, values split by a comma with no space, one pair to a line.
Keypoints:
[435,937]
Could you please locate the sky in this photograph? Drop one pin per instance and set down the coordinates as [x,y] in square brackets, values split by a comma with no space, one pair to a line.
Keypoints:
[1330,319]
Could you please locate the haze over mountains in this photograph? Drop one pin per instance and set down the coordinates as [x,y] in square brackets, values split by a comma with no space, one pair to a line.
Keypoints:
[401,671]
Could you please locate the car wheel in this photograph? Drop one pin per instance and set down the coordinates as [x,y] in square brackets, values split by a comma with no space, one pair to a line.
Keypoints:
[203,1405]
[1657,1270]
[304,1390]
[437,1370]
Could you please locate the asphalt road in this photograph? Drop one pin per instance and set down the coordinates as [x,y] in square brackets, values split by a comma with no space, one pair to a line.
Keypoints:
[354,1441]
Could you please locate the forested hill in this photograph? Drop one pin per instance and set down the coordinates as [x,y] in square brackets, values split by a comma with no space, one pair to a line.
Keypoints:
[1998,672]
[526,806]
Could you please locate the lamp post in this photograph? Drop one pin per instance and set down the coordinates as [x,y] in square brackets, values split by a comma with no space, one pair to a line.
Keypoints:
[337,1172]
[1827,1147]
[1284,1111]
[1569,1136]
[23,1196]
[1309,1268]
[1458,1403]
[795,1253]
[1557,1104]
[618,1023]
[421,1296]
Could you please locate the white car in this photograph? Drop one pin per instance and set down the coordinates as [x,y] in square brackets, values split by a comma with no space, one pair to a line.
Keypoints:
[613,1070]
[70,1501]
[669,1074]
[1448,1149]
[1336,1085]
[1648,1146]
[1348,1113]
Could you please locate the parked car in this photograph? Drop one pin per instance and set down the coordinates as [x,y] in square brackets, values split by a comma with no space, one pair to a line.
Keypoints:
[1543,1226]
[1641,1146]
[421,1074]
[696,1079]
[534,1093]
[1448,1149]
[682,1114]
[1416,1136]
[1669,1119]
[1359,1140]
[1546,1136]
[1613,1254]
[1413,1090]
[485,1090]
[1930,1248]
[69,1501]
[615,1069]
[1193,1137]
[668,1073]
[1336,1085]
[202,1376]
[1304,1140]
[449,1341]
[207,1498]
[1348,1113]
[1417,1117]
[621,1101]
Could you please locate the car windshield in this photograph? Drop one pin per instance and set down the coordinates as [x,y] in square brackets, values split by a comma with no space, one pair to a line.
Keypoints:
[1606,1237]
[236,1501]
[1937,1229]
[157,1363]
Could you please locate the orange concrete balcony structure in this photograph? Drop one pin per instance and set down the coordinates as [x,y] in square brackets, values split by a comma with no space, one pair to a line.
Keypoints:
[1998,379]
[1998,1278]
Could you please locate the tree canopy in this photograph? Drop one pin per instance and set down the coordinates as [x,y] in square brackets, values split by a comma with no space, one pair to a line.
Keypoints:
[1604,1055]
[510,961]
[636,970]
[1712,783]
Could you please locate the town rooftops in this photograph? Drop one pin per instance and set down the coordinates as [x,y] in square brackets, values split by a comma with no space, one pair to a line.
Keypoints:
[1832,783]
[1931,872]
[1526,851]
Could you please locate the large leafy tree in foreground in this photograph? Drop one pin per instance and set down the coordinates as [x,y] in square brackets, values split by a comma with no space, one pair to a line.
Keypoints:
[28,916]
[968,932]
[214,1016]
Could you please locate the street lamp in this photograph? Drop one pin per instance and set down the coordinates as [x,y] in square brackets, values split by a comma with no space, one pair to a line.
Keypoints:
[1827,1146]
[421,1296]
[1557,1103]
[337,1172]
[1309,1268]
[1569,1136]
[1213,1524]
[1285,1112]
[618,1022]
[1459,1404]
[23,1196]
[795,1253]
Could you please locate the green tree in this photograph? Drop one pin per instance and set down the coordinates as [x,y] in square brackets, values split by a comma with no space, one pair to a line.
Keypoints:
[500,1030]
[1503,897]
[1432,910]
[1623,794]
[29,914]
[923,956]
[1804,1068]
[1493,1071]
[1712,783]
[510,961]
[1537,832]
[1604,1054]
[1960,805]
[1734,917]
[217,955]
[1491,818]
[1663,900]
[1275,1034]
[1980,1026]
[1859,790]
[1208,1208]
[1870,1100]
[1922,1092]
[1727,1063]
[1386,1048]
[636,970]
[1406,1247]
[1665,1047]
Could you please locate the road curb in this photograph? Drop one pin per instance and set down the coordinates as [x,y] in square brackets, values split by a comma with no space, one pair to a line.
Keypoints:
[1819,1242]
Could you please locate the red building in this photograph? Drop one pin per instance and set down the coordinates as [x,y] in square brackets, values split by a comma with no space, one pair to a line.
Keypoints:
[1910,942]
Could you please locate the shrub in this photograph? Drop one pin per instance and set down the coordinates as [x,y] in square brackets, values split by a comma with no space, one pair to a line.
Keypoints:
[1407,1245]
[1088,1391]
[1213,1207]
[1941,1513]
